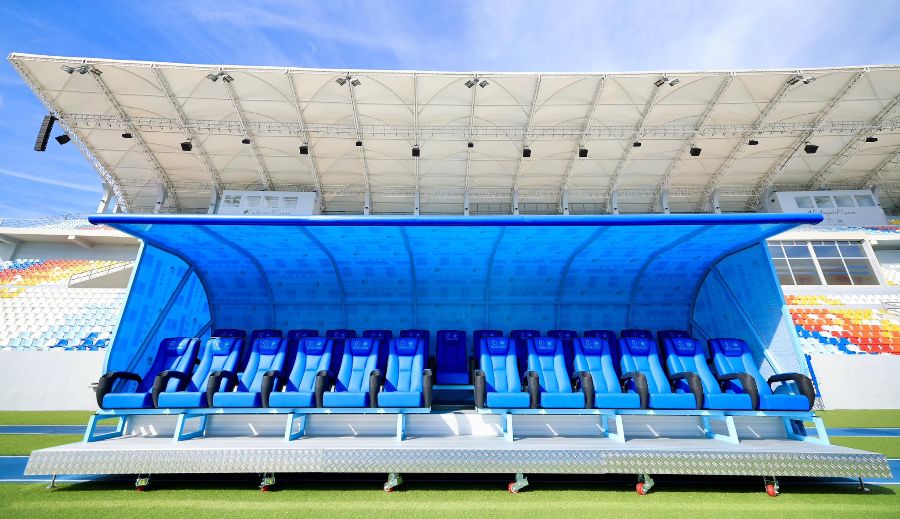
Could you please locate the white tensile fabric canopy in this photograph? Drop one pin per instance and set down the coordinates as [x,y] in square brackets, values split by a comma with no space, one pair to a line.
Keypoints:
[246,126]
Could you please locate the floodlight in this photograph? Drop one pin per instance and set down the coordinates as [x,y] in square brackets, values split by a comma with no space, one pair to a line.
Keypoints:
[355,82]
[470,83]
[94,71]
[212,77]
[483,83]
[808,79]
[227,78]
[793,80]
[341,81]
[660,82]
[186,146]
[674,82]
[62,139]
[67,69]
[84,69]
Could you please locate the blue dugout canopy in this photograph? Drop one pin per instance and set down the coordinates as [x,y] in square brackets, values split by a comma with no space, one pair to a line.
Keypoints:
[710,274]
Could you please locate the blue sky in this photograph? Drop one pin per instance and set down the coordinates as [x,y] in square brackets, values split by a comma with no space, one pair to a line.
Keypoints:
[480,35]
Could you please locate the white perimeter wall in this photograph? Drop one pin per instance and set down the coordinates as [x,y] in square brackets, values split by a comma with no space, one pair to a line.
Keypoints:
[858,381]
[49,380]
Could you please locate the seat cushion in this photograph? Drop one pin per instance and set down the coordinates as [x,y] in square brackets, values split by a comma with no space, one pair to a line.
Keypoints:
[453,378]
[238,399]
[562,400]
[617,401]
[127,401]
[672,401]
[292,399]
[346,399]
[778,402]
[181,399]
[400,399]
[508,400]
[727,401]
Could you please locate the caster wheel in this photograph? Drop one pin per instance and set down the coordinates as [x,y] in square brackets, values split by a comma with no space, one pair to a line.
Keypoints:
[141,488]
[770,489]
[264,488]
[640,489]
[388,488]
[512,488]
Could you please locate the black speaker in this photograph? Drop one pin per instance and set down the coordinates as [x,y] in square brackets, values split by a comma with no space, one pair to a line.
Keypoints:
[636,144]
[304,150]
[186,146]
[810,148]
[62,139]
[526,152]
[471,144]
[695,151]
[44,133]
[415,151]
[582,152]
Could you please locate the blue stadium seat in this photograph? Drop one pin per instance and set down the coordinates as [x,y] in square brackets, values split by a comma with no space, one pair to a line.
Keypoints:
[307,381]
[357,379]
[662,335]
[690,374]
[424,335]
[245,390]
[383,343]
[497,383]
[636,332]
[229,333]
[175,354]
[293,341]
[546,360]
[255,334]
[735,365]
[452,360]
[477,335]
[407,383]
[612,340]
[566,336]
[339,335]
[520,339]
[219,354]
[644,375]
[595,364]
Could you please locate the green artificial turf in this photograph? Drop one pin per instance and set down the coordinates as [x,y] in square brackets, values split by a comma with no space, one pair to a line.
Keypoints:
[890,447]
[349,499]
[861,418]
[44,417]
[23,444]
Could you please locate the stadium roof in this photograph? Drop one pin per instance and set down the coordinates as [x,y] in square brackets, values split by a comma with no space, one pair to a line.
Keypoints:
[277,110]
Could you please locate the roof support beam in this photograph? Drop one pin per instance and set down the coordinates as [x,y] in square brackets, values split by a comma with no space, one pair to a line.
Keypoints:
[738,150]
[415,79]
[264,177]
[188,133]
[139,142]
[81,241]
[526,136]
[304,134]
[775,171]
[469,133]
[837,162]
[666,180]
[585,127]
[629,146]
[891,163]
[359,136]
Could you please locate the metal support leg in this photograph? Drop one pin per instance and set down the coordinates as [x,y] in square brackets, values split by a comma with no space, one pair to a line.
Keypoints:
[619,435]
[52,484]
[794,430]
[142,482]
[180,435]
[517,485]
[267,481]
[862,486]
[89,435]
[506,424]
[401,426]
[731,437]
[289,433]
[394,480]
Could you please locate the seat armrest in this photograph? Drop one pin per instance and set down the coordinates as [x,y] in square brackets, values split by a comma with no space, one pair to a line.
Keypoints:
[272,381]
[321,384]
[804,383]
[640,386]
[427,383]
[693,382]
[374,386]
[583,381]
[533,385]
[748,383]
[106,382]
[480,388]
[162,380]
[215,380]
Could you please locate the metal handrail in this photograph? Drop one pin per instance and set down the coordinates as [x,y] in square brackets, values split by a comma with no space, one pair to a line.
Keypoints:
[97,272]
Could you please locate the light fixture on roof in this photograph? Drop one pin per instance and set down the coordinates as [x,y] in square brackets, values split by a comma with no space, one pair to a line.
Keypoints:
[753,142]
[582,152]
[871,138]
[81,69]
[304,149]
[214,76]
[636,144]
[808,79]
[187,146]
[126,135]
[359,143]
[472,82]
[471,144]
[526,152]
[67,69]
[810,148]
[415,150]
[341,81]
[355,82]
[245,140]
[483,83]
[227,78]
[695,151]
[62,139]
[793,80]
[95,71]
[666,79]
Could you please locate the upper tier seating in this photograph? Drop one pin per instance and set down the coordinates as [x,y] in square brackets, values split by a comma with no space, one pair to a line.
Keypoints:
[293,341]
[305,385]
[566,336]
[685,356]
[451,358]
[407,383]
[520,341]
[497,383]
[358,379]
[846,330]
[245,390]
[174,354]
[340,335]
[546,361]
[732,356]
[639,355]
[219,354]
[597,374]
[33,272]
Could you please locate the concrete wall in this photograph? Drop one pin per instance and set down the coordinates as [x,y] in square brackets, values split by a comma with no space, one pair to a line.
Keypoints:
[858,381]
[49,380]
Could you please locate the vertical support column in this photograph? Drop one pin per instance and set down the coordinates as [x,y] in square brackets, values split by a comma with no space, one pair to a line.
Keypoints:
[714,202]
[105,198]
[160,198]
[613,202]
[416,207]
[466,203]
[368,203]
[664,201]
[565,201]
[213,202]
[515,202]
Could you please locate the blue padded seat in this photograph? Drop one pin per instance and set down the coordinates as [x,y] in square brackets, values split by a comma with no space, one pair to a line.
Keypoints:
[245,390]
[662,335]
[219,354]
[477,335]
[357,377]
[594,357]
[497,383]
[175,354]
[256,334]
[566,336]
[735,364]
[451,358]
[640,360]
[685,356]
[420,334]
[636,333]
[546,360]
[612,340]
[407,383]
[293,340]
[307,380]
[340,335]
[382,342]
[520,339]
